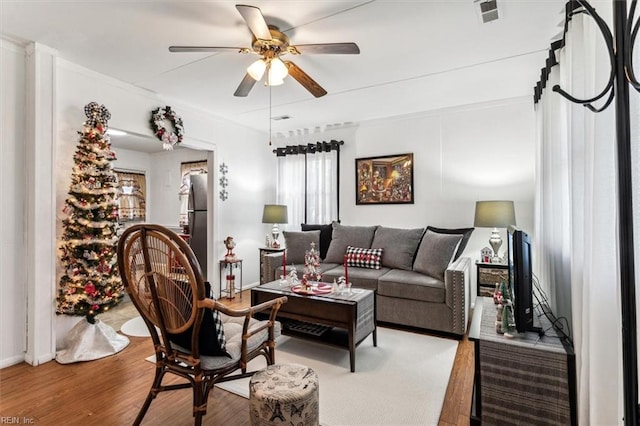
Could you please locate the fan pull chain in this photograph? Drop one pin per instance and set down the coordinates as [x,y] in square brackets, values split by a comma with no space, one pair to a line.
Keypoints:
[269,115]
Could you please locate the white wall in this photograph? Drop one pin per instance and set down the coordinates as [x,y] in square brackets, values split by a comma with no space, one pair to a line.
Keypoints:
[127,159]
[251,175]
[461,155]
[13,282]
[163,183]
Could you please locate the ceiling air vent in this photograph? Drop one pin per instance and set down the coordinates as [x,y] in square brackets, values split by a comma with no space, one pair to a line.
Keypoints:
[487,10]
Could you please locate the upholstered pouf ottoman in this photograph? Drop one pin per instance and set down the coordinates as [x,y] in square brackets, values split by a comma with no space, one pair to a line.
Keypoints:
[284,394]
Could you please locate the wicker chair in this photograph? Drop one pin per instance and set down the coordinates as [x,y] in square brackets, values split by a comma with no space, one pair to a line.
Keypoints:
[165,283]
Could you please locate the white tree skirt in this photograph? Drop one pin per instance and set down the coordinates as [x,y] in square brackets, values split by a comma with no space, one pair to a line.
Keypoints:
[86,342]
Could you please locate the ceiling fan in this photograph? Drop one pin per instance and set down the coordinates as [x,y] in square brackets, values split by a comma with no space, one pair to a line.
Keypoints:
[269,43]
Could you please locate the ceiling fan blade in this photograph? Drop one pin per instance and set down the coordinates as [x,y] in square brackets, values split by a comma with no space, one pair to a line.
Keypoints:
[245,86]
[304,79]
[255,21]
[329,48]
[205,49]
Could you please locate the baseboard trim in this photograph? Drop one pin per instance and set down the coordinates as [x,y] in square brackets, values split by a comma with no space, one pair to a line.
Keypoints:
[8,362]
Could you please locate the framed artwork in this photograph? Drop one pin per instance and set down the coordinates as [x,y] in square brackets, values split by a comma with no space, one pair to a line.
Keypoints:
[385,180]
[131,196]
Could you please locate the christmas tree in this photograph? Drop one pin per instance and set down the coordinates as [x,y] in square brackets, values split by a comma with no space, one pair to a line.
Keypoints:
[311,266]
[90,283]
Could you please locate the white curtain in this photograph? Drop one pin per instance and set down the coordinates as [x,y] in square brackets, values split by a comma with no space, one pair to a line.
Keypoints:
[576,257]
[313,176]
[322,184]
[290,188]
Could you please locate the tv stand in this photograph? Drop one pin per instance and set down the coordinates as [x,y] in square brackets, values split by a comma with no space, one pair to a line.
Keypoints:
[522,379]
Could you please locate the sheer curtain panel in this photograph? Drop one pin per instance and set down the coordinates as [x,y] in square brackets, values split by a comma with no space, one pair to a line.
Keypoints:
[291,188]
[322,183]
[576,219]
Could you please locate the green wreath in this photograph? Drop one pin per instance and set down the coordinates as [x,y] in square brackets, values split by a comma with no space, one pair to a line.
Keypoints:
[158,118]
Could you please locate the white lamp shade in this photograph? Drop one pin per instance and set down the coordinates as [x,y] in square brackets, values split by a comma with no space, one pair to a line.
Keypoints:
[274,82]
[277,70]
[256,69]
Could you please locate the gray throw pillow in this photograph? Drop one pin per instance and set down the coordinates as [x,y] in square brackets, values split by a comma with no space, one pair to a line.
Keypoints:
[325,236]
[435,253]
[399,246]
[343,236]
[465,232]
[297,243]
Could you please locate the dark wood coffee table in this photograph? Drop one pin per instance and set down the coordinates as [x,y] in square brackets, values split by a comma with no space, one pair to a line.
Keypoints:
[342,320]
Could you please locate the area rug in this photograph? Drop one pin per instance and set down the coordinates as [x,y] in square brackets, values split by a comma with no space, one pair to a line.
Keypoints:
[402,381]
[135,327]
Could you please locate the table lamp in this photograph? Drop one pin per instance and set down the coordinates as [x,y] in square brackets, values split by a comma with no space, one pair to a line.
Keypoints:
[275,214]
[495,214]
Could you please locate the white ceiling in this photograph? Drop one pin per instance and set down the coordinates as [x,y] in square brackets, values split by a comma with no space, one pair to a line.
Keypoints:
[415,55]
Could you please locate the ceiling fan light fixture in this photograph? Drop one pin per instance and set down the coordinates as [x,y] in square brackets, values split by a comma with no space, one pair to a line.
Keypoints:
[256,69]
[269,42]
[277,69]
[274,82]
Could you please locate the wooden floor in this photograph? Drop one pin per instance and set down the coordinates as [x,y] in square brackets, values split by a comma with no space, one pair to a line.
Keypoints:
[111,390]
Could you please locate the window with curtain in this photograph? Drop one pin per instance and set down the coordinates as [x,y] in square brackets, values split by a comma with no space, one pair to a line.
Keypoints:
[186,171]
[307,182]
[131,196]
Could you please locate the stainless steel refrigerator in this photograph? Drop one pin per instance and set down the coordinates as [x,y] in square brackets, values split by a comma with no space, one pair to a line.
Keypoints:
[197,212]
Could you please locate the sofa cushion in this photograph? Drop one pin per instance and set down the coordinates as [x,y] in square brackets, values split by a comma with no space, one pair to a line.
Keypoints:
[343,236]
[326,231]
[297,242]
[358,277]
[399,246]
[465,232]
[411,285]
[364,258]
[435,253]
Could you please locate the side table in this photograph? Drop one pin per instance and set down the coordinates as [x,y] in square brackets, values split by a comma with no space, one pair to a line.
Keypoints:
[264,251]
[228,271]
[488,274]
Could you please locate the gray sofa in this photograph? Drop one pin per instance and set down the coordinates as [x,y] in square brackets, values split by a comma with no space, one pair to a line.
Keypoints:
[420,279]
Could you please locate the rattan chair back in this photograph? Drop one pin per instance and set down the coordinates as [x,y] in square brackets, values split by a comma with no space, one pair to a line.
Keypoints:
[163,280]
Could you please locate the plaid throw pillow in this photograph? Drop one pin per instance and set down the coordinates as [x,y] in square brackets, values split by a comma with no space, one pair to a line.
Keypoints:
[222,341]
[364,258]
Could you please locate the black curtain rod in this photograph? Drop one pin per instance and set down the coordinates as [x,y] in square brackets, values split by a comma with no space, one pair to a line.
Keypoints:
[193,162]
[310,148]
[570,10]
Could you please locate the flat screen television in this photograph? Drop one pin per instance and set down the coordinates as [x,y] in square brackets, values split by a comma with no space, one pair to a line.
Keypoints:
[521,278]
